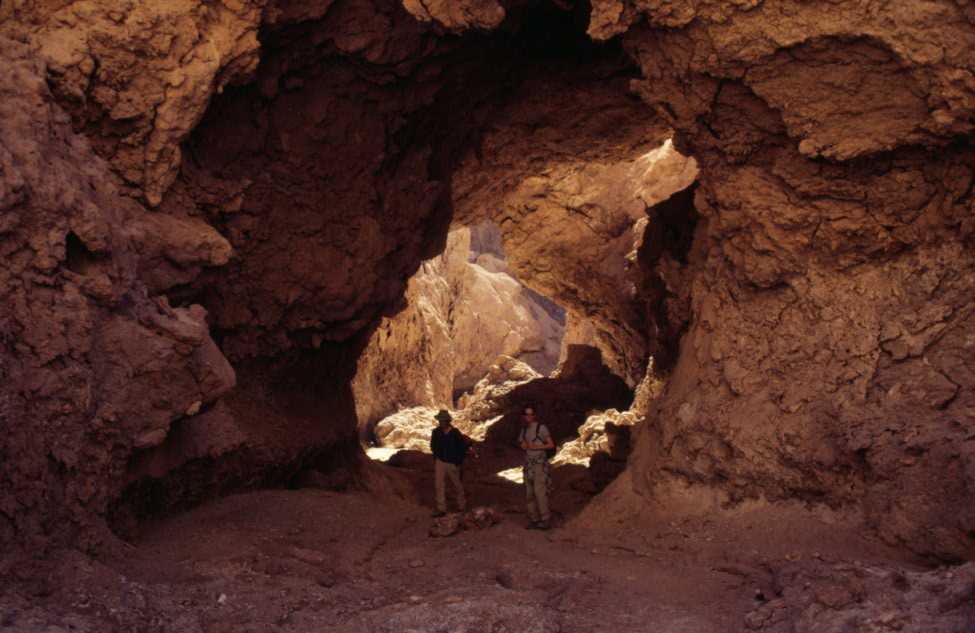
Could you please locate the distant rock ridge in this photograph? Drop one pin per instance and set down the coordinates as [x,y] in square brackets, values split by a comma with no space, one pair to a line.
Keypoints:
[460,315]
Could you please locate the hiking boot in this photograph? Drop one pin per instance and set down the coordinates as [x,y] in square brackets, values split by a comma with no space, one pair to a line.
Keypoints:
[438,514]
[542,525]
[533,525]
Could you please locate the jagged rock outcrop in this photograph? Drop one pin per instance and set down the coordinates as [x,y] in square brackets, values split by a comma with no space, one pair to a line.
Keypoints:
[603,432]
[92,367]
[138,76]
[582,384]
[831,275]
[491,412]
[573,214]
[460,315]
[408,429]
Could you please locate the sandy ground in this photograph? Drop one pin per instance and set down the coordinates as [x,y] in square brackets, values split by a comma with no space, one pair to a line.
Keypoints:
[316,560]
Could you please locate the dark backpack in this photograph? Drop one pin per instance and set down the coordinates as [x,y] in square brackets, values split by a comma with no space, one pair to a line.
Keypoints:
[549,452]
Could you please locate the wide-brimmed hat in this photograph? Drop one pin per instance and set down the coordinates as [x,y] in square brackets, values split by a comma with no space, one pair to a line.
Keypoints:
[443,416]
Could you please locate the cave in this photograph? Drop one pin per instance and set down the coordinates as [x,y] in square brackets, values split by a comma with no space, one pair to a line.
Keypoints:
[754,223]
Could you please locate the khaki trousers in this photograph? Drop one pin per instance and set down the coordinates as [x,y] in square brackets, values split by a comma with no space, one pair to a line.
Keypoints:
[443,471]
[537,484]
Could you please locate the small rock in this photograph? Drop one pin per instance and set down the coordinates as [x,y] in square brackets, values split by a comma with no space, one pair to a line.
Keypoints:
[326,580]
[504,579]
[416,563]
[222,599]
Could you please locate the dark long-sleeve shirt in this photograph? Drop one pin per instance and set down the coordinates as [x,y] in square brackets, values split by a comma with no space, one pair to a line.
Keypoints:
[450,447]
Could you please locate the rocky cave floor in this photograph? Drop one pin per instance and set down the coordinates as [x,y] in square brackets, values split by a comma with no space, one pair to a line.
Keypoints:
[320,560]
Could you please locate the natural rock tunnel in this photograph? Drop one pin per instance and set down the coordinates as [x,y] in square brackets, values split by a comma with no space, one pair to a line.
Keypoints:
[206,209]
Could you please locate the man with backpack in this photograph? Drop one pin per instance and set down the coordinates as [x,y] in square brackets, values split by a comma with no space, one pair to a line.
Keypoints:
[538,445]
[449,447]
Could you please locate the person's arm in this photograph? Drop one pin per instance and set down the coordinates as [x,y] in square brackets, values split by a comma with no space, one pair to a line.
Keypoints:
[522,442]
[469,445]
[435,443]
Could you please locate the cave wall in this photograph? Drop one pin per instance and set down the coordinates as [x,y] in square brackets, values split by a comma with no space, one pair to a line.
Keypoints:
[93,367]
[829,351]
[279,169]
[142,165]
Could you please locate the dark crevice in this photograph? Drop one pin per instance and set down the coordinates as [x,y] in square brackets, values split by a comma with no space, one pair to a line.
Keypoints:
[78,258]
[670,233]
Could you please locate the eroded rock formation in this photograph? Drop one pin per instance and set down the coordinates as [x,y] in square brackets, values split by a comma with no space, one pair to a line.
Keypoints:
[138,76]
[573,212]
[93,367]
[463,310]
[832,284]
[819,276]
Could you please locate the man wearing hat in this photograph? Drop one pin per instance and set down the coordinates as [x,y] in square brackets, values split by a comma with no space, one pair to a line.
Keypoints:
[449,447]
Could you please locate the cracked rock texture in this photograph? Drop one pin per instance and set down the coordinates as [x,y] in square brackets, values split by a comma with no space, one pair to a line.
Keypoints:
[93,368]
[831,277]
[463,309]
[810,298]
[138,76]
[573,213]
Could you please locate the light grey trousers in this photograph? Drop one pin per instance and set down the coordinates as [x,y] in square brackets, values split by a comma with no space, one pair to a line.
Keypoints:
[537,486]
[442,472]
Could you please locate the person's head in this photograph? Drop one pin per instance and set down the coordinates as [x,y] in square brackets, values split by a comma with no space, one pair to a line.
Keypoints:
[443,418]
[528,414]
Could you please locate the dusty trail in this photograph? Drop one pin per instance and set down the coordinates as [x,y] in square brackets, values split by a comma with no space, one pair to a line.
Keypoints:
[315,560]
[311,560]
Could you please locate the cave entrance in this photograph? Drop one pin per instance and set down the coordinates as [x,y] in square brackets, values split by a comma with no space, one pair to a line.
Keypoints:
[347,162]
[466,313]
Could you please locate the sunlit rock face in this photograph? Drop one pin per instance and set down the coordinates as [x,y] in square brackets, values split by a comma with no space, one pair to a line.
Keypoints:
[463,309]
[492,411]
[832,275]
[573,213]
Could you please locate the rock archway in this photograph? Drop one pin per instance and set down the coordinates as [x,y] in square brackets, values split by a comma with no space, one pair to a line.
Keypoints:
[287,166]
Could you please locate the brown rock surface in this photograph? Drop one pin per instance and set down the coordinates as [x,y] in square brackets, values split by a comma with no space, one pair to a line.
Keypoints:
[92,368]
[831,277]
[572,212]
[832,598]
[811,298]
[138,76]
[458,15]
[604,432]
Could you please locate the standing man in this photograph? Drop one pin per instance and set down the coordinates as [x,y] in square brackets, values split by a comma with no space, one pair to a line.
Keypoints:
[535,440]
[449,447]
